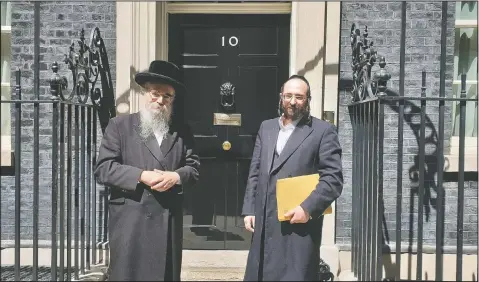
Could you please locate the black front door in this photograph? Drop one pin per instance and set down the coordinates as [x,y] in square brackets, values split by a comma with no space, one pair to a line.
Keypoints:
[233,67]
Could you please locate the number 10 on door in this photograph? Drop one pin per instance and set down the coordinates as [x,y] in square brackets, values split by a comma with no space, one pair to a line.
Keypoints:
[231,41]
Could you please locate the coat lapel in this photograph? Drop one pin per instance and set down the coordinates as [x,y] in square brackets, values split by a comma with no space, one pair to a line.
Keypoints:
[168,143]
[272,138]
[297,137]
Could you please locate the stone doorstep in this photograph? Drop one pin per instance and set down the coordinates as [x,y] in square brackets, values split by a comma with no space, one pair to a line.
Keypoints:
[215,259]
[212,273]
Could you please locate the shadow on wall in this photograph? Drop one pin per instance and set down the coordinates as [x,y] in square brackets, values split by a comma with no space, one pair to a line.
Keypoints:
[313,63]
[123,99]
[411,117]
[412,114]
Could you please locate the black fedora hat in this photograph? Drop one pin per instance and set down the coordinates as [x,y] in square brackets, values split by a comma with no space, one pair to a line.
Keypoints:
[161,72]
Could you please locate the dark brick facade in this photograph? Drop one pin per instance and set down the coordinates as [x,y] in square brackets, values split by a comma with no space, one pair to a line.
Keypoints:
[423,50]
[61,23]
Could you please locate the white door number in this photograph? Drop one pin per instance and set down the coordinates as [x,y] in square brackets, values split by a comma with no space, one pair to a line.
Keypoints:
[232,41]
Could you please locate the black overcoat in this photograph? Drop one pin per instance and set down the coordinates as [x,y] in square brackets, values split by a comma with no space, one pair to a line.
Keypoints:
[280,250]
[145,226]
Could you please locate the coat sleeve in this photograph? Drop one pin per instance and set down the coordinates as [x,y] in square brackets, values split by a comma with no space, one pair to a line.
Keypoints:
[252,183]
[189,172]
[109,169]
[330,184]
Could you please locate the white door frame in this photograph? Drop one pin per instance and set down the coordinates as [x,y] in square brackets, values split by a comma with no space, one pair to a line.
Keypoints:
[142,36]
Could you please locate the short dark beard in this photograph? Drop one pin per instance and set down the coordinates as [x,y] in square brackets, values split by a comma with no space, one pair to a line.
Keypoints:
[297,113]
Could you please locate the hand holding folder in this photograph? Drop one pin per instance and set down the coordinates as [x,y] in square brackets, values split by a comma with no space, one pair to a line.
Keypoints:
[292,191]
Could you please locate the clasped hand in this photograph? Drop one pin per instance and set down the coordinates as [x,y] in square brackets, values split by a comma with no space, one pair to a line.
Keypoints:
[160,180]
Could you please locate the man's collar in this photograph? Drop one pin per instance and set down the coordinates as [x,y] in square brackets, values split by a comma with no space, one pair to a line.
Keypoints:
[293,124]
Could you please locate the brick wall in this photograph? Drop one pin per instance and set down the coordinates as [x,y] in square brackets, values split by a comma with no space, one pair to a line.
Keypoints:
[61,23]
[423,49]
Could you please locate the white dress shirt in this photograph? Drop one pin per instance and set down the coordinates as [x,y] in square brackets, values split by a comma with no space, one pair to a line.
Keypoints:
[159,138]
[285,132]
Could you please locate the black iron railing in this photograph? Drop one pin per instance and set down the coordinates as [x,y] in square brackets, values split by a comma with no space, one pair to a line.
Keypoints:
[368,244]
[78,218]
[370,100]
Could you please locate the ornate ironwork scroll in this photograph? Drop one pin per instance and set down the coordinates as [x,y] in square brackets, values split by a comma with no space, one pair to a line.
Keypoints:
[364,56]
[87,63]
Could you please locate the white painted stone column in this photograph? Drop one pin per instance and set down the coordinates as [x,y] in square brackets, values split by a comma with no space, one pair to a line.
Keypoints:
[141,36]
[315,34]
[307,41]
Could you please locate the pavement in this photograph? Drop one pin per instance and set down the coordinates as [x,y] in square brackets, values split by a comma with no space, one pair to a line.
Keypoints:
[198,265]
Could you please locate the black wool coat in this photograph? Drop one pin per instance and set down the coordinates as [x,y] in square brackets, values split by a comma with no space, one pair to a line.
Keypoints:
[281,251]
[145,226]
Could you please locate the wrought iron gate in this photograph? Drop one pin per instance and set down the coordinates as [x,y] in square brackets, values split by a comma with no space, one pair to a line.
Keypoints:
[370,99]
[73,109]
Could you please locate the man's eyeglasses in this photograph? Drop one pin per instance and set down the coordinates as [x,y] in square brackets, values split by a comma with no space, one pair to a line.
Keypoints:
[167,97]
[289,97]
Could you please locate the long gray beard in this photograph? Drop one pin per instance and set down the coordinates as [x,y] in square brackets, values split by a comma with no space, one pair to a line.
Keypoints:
[154,122]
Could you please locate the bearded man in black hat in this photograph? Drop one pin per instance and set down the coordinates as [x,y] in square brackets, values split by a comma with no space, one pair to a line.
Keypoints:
[146,158]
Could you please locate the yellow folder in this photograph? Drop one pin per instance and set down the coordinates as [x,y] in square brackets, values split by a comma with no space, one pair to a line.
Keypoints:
[292,191]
